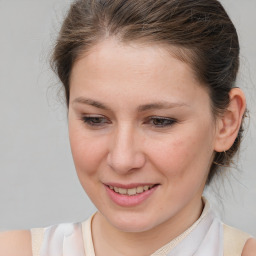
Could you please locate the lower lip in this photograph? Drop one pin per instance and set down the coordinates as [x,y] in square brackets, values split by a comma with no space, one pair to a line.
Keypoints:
[128,201]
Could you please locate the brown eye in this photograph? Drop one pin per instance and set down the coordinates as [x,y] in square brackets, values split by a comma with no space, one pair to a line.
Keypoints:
[162,121]
[95,120]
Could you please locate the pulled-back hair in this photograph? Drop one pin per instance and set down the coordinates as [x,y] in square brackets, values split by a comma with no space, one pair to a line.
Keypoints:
[200,31]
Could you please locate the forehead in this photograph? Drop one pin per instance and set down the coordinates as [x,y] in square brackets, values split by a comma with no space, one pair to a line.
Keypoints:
[147,71]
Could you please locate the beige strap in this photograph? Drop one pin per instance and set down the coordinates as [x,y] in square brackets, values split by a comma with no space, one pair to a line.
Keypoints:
[234,241]
[37,235]
[87,237]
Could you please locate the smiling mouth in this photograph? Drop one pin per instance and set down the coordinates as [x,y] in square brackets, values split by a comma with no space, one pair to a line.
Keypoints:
[131,191]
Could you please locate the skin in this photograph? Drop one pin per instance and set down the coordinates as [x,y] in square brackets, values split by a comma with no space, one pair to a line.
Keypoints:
[110,86]
[117,134]
[250,248]
[13,243]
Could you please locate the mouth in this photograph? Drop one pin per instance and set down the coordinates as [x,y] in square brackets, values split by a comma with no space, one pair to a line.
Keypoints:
[130,195]
[131,191]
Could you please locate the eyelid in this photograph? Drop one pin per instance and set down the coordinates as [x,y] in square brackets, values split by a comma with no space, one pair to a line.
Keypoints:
[89,119]
[98,121]
[172,121]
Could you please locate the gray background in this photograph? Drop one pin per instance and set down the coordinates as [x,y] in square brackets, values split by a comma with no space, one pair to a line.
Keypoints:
[38,185]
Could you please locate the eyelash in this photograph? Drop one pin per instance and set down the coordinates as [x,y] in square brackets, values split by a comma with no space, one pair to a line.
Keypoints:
[164,121]
[155,121]
[95,121]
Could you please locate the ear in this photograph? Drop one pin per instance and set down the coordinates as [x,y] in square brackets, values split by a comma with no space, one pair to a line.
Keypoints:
[229,123]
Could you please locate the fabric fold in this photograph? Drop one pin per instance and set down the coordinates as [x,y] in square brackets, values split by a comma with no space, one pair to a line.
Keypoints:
[205,239]
[63,240]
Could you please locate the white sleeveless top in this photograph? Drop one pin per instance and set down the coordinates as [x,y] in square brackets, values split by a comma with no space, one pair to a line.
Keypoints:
[207,236]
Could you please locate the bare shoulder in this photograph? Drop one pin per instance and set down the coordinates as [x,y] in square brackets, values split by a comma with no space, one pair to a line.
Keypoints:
[250,248]
[13,243]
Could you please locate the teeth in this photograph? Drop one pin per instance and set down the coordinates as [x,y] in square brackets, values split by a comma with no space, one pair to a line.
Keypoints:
[122,191]
[139,190]
[131,191]
[146,188]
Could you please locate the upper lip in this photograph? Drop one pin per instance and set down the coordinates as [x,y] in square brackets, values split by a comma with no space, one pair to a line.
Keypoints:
[130,185]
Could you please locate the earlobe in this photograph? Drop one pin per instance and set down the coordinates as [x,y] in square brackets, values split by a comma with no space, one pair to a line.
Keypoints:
[228,124]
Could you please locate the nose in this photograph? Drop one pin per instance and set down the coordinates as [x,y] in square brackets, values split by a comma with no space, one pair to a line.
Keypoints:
[125,153]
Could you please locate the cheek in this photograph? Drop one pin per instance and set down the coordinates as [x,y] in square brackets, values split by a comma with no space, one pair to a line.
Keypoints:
[184,156]
[87,152]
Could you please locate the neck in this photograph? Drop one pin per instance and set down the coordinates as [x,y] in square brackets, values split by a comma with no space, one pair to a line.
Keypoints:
[109,240]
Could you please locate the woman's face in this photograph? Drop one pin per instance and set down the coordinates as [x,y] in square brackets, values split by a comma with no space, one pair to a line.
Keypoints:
[142,134]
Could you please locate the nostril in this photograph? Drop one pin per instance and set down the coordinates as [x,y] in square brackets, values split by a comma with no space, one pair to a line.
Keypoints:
[125,162]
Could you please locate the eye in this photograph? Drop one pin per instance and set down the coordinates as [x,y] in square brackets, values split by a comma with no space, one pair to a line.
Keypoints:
[95,120]
[161,122]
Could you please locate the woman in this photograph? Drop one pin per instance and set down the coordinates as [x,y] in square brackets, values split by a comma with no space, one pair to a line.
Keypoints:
[153,112]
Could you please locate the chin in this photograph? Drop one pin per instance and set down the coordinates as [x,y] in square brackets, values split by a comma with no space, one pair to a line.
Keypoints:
[131,224]
[132,228]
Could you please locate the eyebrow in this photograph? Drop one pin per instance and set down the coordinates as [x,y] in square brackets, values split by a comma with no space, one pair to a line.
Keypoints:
[141,108]
[160,105]
[90,102]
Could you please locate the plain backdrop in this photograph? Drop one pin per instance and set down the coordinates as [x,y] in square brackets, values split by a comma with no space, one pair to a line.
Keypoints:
[38,183]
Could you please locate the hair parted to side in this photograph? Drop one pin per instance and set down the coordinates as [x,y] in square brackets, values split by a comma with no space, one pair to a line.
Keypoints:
[200,31]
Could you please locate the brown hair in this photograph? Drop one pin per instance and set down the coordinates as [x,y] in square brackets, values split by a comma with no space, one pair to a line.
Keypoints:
[201,30]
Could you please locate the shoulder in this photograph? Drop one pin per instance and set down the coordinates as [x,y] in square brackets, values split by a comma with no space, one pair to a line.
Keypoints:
[234,241]
[13,243]
[250,248]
